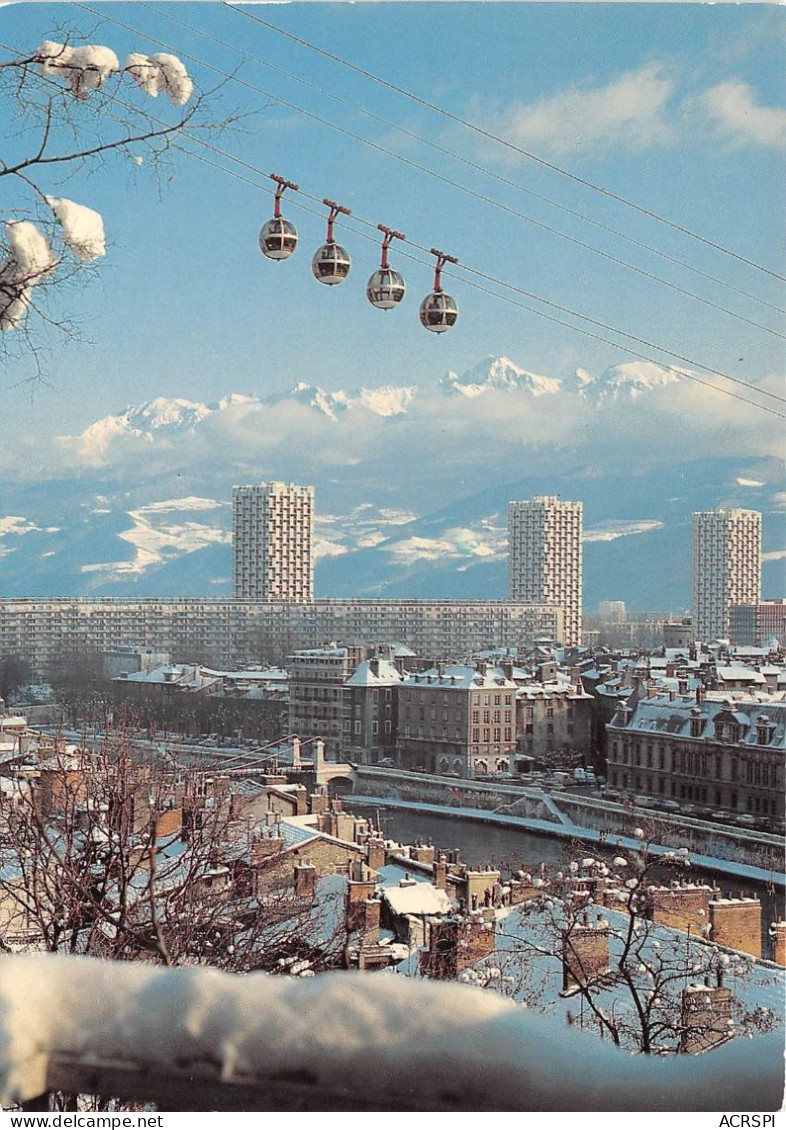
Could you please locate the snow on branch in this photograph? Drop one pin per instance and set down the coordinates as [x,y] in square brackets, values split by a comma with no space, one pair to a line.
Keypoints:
[82,228]
[157,73]
[85,69]
[29,261]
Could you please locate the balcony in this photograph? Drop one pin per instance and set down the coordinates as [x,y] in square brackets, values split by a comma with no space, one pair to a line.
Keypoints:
[199,1039]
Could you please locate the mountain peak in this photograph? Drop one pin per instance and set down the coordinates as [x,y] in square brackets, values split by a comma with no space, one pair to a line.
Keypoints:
[499,374]
[630,379]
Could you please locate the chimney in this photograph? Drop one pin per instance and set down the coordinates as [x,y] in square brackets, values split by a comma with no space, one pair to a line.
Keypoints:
[305,880]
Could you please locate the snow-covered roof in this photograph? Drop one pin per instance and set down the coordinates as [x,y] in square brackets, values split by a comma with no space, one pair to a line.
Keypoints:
[181,675]
[252,675]
[375,673]
[661,714]
[462,677]
[12,722]
[417,898]
[551,690]
[739,675]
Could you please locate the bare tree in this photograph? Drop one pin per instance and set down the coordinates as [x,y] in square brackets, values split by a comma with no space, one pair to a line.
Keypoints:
[15,672]
[110,855]
[600,933]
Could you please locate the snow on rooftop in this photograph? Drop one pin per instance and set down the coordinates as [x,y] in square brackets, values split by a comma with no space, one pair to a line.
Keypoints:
[417,898]
[375,673]
[461,676]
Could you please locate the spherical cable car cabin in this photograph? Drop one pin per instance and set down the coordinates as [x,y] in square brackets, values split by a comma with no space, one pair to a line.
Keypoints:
[386,287]
[438,311]
[331,262]
[278,237]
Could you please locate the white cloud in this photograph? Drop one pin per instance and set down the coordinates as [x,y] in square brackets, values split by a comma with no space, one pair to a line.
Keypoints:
[459,542]
[731,111]
[610,531]
[323,547]
[629,112]
[750,483]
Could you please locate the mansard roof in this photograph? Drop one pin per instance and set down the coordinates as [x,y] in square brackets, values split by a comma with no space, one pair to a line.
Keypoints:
[672,716]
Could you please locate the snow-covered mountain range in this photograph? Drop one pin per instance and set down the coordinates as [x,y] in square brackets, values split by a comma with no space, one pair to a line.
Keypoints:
[164,418]
[412,484]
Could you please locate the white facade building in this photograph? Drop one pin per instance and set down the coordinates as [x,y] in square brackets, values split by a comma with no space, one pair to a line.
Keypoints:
[272,527]
[544,556]
[224,633]
[726,568]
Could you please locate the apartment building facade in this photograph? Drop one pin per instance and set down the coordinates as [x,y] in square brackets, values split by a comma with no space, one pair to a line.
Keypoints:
[726,568]
[316,694]
[231,633]
[754,625]
[457,719]
[545,556]
[272,531]
[719,752]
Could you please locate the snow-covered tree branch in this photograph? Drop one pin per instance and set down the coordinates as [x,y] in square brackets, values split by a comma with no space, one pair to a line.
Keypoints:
[73,108]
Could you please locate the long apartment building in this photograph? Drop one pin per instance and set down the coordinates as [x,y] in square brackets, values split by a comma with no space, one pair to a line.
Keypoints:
[229,633]
[726,568]
[545,556]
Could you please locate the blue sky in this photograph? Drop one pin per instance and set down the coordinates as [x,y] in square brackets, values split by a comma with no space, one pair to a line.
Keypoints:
[674,106]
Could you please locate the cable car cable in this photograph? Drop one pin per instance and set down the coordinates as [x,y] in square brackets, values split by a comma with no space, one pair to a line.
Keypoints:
[502,141]
[564,309]
[616,345]
[444,179]
[246,56]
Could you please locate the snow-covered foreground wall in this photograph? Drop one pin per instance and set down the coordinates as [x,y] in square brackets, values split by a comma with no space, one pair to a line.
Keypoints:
[373,1037]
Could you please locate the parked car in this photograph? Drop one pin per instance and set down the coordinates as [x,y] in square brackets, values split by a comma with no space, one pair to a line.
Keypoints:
[745,820]
[387,763]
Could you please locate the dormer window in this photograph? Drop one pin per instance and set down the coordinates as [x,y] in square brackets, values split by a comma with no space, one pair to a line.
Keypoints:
[697,725]
[764,730]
